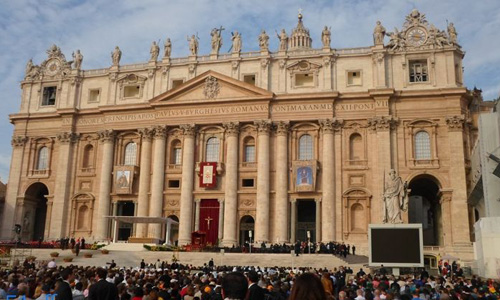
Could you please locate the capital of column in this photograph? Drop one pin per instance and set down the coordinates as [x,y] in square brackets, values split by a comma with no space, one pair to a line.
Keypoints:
[455,123]
[106,136]
[232,128]
[318,200]
[197,200]
[282,128]
[331,125]
[160,132]
[221,200]
[67,137]
[18,141]
[189,130]
[293,200]
[382,123]
[146,133]
[263,126]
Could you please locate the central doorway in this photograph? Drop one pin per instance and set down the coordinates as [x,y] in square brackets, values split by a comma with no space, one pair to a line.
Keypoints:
[247,224]
[35,212]
[209,219]
[306,219]
[125,208]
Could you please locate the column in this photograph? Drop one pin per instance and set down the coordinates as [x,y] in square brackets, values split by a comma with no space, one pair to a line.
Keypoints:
[293,217]
[16,164]
[157,182]
[107,138]
[458,206]
[281,201]
[220,232]
[144,181]
[197,214]
[231,188]
[186,205]
[318,221]
[328,181]
[58,226]
[262,216]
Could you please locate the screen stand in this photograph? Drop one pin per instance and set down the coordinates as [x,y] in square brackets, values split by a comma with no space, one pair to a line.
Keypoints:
[395,271]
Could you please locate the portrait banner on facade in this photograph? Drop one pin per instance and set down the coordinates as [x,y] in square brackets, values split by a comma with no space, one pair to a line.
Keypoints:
[208,174]
[304,174]
[124,179]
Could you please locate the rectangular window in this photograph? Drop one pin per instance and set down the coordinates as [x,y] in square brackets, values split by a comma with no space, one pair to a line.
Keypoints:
[354,78]
[131,91]
[94,95]
[247,182]
[250,153]
[250,79]
[176,83]
[304,80]
[49,96]
[174,184]
[418,71]
[177,156]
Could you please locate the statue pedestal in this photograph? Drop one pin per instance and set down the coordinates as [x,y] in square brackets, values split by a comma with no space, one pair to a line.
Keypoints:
[281,53]
[213,56]
[114,68]
[166,60]
[192,57]
[378,47]
[152,63]
[327,49]
[235,54]
[264,52]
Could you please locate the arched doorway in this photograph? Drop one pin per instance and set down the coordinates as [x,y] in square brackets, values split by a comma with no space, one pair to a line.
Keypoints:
[424,208]
[34,212]
[247,223]
[174,233]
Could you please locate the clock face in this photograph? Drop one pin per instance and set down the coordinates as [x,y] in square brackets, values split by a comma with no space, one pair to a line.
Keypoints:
[416,36]
[52,67]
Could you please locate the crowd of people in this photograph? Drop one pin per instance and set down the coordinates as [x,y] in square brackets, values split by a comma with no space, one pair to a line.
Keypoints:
[160,280]
[300,247]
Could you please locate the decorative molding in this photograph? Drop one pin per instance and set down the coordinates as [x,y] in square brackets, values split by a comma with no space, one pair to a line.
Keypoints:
[382,123]
[331,125]
[160,132]
[282,128]
[146,133]
[455,123]
[189,130]
[67,137]
[263,126]
[264,62]
[235,64]
[212,88]
[18,141]
[232,128]
[107,135]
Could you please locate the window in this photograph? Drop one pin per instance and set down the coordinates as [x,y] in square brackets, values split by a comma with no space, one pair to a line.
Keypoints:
[177,82]
[176,156]
[357,218]
[175,184]
[132,91]
[422,145]
[250,79]
[304,80]
[305,147]
[212,154]
[130,154]
[355,147]
[88,157]
[94,95]
[83,215]
[43,159]
[247,182]
[418,71]
[249,155]
[354,78]
[49,96]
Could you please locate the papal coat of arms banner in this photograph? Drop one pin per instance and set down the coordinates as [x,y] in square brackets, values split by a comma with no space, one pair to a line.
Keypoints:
[208,174]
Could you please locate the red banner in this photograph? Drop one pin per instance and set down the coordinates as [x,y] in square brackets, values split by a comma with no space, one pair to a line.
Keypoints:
[208,174]
[209,219]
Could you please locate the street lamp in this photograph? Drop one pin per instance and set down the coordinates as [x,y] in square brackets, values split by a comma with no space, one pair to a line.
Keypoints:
[309,241]
[250,245]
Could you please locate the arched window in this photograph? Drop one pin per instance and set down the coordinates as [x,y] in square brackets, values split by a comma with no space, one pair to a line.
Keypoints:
[88,157]
[249,147]
[355,147]
[130,154]
[422,145]
[83,214]
[43,159]
[176,154]
[305,147]
[357,217]
[212,154]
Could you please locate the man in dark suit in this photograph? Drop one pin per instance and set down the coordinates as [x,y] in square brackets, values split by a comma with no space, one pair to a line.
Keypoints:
[255,292]
[234,286]
[102,290]
[63,291]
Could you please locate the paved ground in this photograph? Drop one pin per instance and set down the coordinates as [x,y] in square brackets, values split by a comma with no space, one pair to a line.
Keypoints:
[131,255]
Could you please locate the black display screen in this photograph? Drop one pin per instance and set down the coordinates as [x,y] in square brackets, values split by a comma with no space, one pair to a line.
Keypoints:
[395,245]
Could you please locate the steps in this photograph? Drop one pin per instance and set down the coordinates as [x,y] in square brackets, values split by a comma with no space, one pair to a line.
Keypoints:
[133,247]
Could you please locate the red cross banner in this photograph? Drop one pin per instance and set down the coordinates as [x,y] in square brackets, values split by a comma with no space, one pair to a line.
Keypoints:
[208,172]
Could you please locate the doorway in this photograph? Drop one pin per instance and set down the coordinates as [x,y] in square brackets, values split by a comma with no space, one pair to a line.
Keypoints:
[247,224]
[125,208]
[35,212]
[306,220]
[209,220]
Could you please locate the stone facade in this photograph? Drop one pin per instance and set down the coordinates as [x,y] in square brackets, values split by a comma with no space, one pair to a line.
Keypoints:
[301,139]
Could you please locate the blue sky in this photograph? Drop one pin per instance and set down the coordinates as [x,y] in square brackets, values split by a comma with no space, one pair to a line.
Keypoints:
[28,28]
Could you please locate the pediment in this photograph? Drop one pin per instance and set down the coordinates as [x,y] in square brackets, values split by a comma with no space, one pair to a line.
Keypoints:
[211,87]
[303,66]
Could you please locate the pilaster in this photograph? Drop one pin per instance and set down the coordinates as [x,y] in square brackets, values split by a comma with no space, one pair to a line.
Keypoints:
[186,205]
[144,180]
[157,182]
[262,215]
[231,189]
[281,200]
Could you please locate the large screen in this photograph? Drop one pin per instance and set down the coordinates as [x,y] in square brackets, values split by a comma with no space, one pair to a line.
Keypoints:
[396,245]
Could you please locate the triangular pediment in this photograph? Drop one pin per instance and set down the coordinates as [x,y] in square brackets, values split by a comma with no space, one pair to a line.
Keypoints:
[211,87]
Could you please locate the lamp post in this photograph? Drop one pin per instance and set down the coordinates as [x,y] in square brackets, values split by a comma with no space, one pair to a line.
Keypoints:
[309,241]
[250,245]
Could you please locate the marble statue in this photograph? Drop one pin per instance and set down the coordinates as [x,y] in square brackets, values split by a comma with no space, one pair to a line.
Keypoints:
[167,49]
[283,37]
[378,34]
[193,44]
[216,42]
[154,51]
[29,67]
[395,198]
[77,59]
[452,33]
[326,35]
[236,38]
[264,41]
[116,55]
